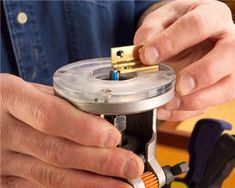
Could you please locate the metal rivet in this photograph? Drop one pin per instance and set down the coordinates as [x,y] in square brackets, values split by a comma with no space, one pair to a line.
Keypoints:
[22,18]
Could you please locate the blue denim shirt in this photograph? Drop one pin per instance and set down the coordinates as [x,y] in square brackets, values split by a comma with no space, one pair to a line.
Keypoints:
[60,32]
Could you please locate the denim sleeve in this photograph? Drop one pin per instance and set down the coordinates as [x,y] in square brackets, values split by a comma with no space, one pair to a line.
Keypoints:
[8,63]
[60,32]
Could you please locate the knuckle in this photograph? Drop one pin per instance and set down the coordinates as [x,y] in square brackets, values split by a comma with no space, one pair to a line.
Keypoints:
[200,23]
[210,73]
[48,176]
[44,114]
[106,163]
[9,86]
[54,151]
[176,116]
[58,180]
[192,103]
[6,78]
[169,43]
[148,27]
[197,103]
[224,8]
[148,18]
[113,162]
[144,33]
[4,129]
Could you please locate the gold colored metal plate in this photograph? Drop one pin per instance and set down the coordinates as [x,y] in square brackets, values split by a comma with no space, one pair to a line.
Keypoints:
[126,60]
[124,54]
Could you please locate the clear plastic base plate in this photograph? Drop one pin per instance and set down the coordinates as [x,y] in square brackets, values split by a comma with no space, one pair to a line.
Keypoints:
[87,85]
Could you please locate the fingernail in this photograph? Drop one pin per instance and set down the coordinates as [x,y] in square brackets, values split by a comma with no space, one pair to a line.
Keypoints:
[186,85]
[174,104]
[163,114]
[151,55]
[112,139]
[131,169]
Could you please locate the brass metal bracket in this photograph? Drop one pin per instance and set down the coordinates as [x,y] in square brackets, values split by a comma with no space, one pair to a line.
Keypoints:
[126,60]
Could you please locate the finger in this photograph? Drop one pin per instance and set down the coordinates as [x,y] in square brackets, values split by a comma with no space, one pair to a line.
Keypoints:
[147,30]
[49,176]
[217,64]
[17,182]
[66,154]
[177,115]
[46,89]
[145,33]
[55,116]
[221,92]
[190,29]
[154,23]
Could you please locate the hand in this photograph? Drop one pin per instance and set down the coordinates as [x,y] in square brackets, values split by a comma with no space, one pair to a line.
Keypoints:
[196,38]
[46,142]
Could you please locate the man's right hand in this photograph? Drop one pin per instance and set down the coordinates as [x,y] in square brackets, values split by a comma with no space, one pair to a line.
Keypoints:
[46,142]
